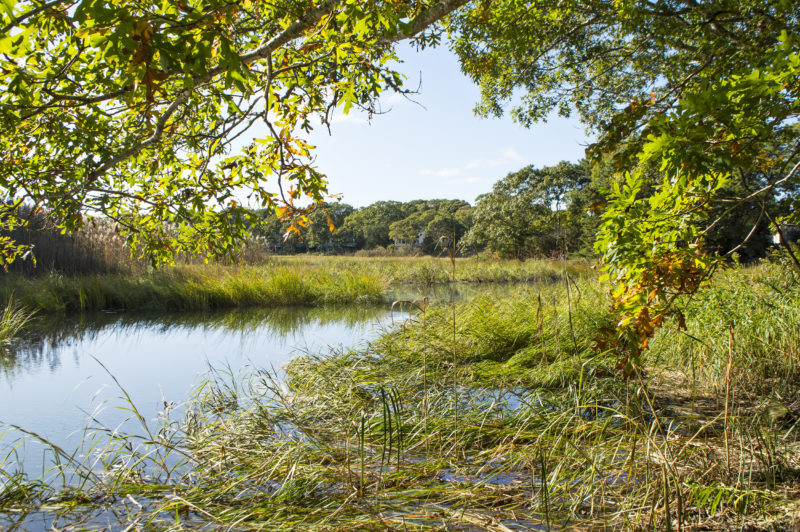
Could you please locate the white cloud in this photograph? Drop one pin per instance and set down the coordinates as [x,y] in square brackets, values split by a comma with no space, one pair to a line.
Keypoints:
[505,157]
[512,155]
[353,118]
[448,172]
[464,181]
[442,172]
[394,98]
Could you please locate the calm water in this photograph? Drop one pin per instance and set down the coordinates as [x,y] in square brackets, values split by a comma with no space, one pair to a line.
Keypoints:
[55,380]
[60,379]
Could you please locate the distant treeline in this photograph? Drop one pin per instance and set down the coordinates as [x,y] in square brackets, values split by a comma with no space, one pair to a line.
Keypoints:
[530,213]
[425,226]
[552,211]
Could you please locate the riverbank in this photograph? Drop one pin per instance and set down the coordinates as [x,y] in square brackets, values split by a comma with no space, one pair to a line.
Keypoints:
[492,414]
[282,281]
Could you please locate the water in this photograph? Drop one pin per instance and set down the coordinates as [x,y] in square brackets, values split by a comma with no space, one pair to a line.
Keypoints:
[63,377]
[65,372]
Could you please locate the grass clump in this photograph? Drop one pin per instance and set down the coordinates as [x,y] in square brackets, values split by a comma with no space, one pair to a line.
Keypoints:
[516,423]
[12,321]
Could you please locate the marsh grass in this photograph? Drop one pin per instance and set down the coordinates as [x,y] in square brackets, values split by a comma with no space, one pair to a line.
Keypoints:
[13,319]
[431,270]
[293,280]
[547,435]
[195,288]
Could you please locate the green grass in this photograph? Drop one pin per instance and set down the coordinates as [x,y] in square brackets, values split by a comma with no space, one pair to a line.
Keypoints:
[515,423]
[195,288]
[433,270]
[762,305]
[12,321]
[291,280]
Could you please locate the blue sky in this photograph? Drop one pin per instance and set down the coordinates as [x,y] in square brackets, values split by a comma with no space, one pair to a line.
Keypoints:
[440,150]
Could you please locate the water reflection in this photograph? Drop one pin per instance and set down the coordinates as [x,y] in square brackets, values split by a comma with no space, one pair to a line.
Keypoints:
[51,337]
[60,375]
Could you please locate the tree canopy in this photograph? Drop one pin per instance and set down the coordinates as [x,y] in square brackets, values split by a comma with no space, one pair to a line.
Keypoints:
[132,110]
[534,212]
[708,93]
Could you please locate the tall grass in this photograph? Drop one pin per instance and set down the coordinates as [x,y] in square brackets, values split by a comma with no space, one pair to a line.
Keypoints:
[97,248]
[12,321]
[437,270]
[307,280]
[194,288]
[761,304]
[94,249]
[547,436]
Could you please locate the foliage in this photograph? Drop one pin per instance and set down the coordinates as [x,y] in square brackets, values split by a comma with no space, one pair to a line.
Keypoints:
[535,212]
[370,225]
[367,438]
[320,230]
[434,225]
[132,110]
[705,92]
[654,246]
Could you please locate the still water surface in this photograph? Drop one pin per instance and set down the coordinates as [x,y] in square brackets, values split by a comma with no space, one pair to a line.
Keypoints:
[60,378]
[57,379]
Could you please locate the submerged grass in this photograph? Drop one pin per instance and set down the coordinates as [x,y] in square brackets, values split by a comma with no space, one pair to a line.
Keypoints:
[547,436]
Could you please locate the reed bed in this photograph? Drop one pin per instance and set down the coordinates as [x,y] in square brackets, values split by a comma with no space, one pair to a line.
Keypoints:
[516,424]
[194,288]
[290,280]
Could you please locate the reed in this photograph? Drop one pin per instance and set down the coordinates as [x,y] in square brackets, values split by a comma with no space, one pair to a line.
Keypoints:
[194,288]
[547,435]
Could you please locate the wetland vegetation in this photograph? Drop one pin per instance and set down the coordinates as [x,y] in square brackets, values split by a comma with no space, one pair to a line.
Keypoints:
[493,413]
[662,394]
[280,281]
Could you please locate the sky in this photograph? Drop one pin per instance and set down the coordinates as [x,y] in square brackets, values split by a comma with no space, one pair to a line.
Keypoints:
[435,148]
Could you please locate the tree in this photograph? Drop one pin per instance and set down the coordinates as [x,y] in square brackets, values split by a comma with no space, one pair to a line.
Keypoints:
[526,214]
[322,232]
[370,225]
[428,221]
[131,110]
[707,92]
[410,231]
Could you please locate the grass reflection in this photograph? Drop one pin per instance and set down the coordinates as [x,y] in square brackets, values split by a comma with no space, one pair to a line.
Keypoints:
[48,335]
